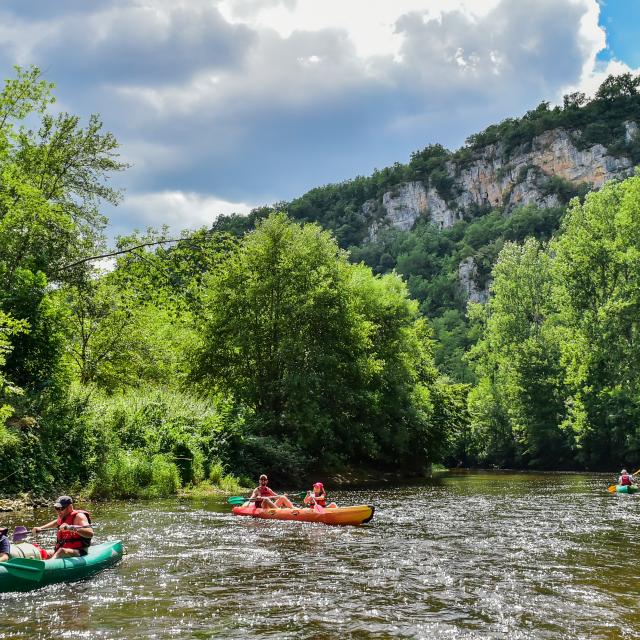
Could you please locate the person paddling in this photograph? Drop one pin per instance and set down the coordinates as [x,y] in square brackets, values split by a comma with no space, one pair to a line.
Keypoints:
[262,495]
[74,529]
[318,496]
[5,545]
[625,480]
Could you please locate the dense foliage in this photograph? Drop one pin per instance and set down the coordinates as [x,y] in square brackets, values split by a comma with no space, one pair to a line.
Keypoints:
[333,363]
[290,342]
[194,357]
[557,363]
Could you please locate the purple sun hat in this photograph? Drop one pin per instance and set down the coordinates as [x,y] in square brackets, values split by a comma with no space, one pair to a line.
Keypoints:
[20,533]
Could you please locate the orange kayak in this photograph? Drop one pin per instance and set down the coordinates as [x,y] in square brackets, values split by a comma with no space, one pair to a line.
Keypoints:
[335,515]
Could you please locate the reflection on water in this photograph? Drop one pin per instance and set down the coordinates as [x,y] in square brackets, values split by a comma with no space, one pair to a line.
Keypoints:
[467,555]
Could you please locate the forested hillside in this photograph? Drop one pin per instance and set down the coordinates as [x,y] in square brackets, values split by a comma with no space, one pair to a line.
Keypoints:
[331,332]
[441,219]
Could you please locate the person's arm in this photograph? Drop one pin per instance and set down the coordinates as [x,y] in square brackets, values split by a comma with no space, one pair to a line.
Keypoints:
[50,525]
[84,528]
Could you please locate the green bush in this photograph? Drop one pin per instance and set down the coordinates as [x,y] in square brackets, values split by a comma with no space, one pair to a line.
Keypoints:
[132,474]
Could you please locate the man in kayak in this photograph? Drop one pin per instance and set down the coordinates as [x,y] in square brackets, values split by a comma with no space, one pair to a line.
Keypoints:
[262,495]
[625,480]
[5,545]
[74,529]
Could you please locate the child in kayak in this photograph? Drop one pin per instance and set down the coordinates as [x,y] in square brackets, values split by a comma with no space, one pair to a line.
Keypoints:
[318,497]
[262,495]
[22,549]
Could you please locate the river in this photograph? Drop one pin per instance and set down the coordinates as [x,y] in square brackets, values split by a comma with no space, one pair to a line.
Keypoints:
[465,555]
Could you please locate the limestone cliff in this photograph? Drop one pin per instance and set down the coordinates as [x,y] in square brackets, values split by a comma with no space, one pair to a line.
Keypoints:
[492,178]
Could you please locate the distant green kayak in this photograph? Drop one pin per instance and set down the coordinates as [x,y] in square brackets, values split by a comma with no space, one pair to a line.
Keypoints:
[25,574]
[626,488]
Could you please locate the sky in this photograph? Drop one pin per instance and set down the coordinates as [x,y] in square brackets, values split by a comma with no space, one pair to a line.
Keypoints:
[223,105]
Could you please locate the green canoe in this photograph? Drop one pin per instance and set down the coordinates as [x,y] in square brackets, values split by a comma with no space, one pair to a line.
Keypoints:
[626,488]
[22,574]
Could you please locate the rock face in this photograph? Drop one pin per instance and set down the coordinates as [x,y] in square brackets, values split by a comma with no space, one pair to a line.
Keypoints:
[495,179]
[630,131]
[467,276]
[402,207]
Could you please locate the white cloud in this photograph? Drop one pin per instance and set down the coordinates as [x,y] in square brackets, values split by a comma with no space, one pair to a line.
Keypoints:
[593,39]
[368,23]
[178,209]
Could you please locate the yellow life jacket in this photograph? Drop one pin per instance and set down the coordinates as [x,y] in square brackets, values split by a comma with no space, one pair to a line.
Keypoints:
[24,550]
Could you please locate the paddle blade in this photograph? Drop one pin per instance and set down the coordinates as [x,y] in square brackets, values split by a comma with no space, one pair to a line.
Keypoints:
[236,500]
[25,568]
[611,488]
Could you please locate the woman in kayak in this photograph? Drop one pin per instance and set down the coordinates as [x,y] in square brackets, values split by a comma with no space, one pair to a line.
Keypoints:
[318,497]
[262,495]
[625,480]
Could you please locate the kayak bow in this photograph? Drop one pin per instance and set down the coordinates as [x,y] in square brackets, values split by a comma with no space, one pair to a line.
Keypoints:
[23,574]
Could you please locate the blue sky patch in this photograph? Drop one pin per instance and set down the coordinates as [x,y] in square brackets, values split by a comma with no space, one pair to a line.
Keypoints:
[621,20]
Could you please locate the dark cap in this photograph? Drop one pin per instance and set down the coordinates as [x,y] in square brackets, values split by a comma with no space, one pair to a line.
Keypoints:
[63,501]
[4,531]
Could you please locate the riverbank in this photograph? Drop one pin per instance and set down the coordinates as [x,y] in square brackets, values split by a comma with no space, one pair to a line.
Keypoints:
[23,502]
[221,485]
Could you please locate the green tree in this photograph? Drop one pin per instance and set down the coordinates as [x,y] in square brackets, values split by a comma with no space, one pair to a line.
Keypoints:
[597,269]
[52,178]
[8,327]
[518,405]
[334,363]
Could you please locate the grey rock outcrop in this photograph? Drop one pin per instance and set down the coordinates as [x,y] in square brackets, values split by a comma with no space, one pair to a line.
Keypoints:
[468,277]
[493,178]
[405,204]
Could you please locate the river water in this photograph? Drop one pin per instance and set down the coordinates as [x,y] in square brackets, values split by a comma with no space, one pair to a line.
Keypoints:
[465,555]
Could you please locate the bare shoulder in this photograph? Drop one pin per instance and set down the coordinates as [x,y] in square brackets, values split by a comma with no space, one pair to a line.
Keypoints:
[81,519]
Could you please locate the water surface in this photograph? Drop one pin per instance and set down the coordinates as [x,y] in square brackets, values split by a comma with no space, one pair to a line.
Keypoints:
[468,555]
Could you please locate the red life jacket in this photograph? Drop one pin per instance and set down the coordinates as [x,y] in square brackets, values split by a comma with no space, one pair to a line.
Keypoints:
[625,480]
[70,538]
[264,492]
[321,501]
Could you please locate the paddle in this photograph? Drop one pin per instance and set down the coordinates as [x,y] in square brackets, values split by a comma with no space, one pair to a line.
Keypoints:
[25,568]
[612,488]
[239,500]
